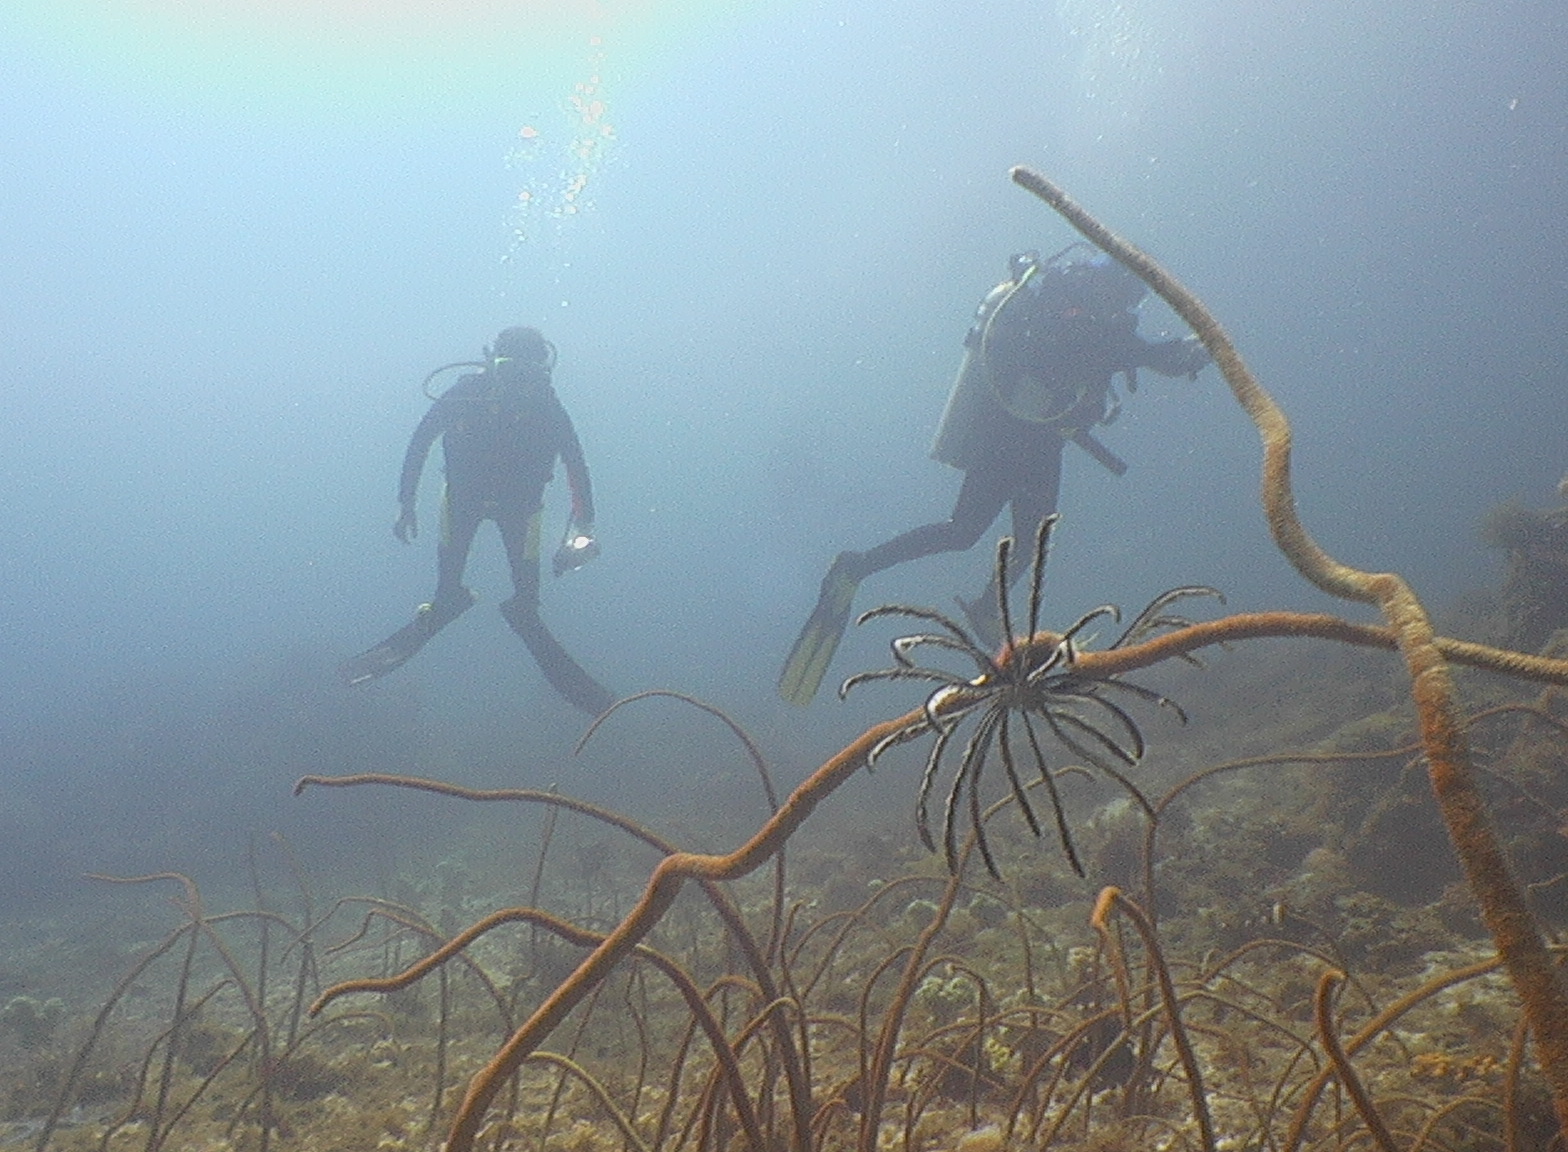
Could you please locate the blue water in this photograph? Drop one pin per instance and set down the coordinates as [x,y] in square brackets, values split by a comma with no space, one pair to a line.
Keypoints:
[217,313]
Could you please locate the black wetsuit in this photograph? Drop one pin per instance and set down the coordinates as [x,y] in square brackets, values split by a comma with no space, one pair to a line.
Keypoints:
[500,441]
[502,431]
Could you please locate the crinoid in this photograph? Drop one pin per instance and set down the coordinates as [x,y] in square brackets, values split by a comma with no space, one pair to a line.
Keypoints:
[1032,681]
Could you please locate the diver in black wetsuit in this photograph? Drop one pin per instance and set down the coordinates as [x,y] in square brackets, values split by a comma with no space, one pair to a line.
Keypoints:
[502,429]
[1038,374]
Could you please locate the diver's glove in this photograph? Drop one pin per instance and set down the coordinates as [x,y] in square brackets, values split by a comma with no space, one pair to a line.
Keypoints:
[407,526]
[1187,358]
[577,549]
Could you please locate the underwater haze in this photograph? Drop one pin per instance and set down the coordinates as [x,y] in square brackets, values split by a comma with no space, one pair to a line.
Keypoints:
[235,240]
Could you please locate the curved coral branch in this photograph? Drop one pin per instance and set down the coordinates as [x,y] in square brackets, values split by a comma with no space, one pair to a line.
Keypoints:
[663,886]
[1503,907]
[679,867]
[1323,1014]
[800,1088]
[1299,625]
[723,1050]
[1110,898]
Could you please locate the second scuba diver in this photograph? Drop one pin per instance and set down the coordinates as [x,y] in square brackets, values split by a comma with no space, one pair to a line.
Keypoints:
[502,429]
[1037,375]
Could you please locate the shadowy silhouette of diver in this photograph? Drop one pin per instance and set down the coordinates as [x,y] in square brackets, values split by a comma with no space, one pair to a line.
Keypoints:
[1037,375]
[502,429]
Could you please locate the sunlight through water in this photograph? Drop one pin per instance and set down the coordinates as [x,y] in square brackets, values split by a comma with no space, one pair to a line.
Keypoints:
[356,60]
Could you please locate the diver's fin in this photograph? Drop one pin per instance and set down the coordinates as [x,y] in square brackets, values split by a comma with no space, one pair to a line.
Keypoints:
[984,619]
[404,644]
[818,640]
[387,656]
[562,673]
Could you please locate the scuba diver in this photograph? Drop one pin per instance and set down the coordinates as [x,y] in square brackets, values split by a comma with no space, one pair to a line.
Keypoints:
[502,429]
[1037,374]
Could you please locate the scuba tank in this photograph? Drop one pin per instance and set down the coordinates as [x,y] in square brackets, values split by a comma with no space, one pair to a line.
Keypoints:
[1069,300]
[1047,311]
